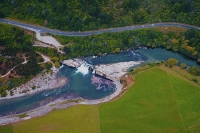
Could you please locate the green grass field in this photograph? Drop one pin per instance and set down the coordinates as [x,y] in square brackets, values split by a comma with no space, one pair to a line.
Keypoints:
[77,119]
[188,99]
[149,106]
[158,102]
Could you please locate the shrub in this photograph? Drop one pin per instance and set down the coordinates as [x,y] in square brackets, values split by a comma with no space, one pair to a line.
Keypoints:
[183,66]
[194,80]
[22,115]
[171,62]
[3,93]
[57,65]
[194,70]
[34,87]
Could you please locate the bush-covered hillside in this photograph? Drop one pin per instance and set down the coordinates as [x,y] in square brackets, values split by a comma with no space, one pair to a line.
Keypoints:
[15,48]
[78,15]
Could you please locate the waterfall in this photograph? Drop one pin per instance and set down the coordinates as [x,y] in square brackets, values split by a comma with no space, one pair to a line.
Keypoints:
[84,68]
[93,72]
[61,66]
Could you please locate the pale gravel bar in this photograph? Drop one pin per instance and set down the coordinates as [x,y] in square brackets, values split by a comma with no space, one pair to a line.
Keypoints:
[42,81]
[58,104]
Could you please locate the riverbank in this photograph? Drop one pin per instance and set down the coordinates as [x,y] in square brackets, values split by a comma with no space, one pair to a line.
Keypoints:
[154,55]
[116,70]
[63,103]
[58,104]
[119,88]
[132,102]
[43,81]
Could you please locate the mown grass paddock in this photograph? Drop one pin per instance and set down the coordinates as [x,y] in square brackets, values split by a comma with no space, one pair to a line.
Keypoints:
[77,119]
[158,102]
[148,106]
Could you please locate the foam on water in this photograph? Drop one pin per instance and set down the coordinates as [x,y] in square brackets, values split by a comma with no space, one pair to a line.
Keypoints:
[136,55]
[83,69]
[93,72]
[61,66]
[133,53]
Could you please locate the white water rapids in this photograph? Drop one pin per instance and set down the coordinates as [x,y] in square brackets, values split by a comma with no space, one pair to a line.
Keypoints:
[84,68]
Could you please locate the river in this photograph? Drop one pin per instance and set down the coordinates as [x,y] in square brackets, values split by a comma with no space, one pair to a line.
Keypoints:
[83,83]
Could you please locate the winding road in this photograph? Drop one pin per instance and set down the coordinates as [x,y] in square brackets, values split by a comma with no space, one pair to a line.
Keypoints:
[88,33]
[39,29]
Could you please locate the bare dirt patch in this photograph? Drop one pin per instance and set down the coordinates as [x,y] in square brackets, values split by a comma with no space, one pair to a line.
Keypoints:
[127,82]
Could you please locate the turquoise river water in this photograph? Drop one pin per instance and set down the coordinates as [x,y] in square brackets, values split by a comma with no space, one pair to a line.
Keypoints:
[85,84]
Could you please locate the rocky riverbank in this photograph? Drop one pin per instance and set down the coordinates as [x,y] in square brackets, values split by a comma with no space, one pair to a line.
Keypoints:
[73,62]
[110,71]
[43,81]
[58,104]
[116,70]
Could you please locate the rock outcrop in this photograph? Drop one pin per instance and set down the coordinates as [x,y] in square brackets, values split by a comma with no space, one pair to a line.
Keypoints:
[73,62]
[110,71]
[114,71]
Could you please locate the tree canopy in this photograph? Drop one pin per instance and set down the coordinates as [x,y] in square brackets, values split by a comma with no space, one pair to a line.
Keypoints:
[15,47]
[171,62]
[185,42]
[94,14]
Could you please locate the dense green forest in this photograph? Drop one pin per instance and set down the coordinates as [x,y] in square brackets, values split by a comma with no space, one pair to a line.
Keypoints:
[15,48]
[187,42]
[16,45]
[79,15]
